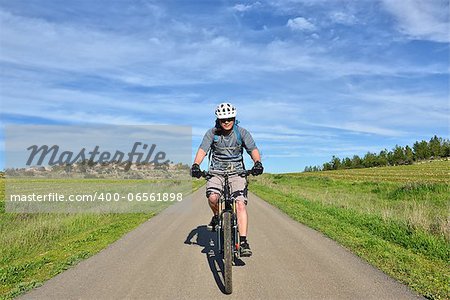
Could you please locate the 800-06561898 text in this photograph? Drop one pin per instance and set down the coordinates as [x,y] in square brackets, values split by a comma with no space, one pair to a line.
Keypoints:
[101,197]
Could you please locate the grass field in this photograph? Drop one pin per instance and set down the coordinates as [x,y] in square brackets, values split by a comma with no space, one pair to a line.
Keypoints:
[36,247]
[397,218]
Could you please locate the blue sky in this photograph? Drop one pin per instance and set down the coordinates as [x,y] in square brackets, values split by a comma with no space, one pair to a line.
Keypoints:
[310,79]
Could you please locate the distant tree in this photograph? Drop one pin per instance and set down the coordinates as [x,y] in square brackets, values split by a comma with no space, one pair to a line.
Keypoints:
[82,167]
[445,149]
[390,158]
[335,163]
[67,168]
[383,158]
[369,160]
[399,157]
[347,163]
[91,163]
[327,166]
[435,146]
[409,155]
[356,162]
[421,150]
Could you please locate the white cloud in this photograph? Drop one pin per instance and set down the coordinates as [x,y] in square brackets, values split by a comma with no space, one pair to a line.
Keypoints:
[285,155]
[48,65]
[343,18]
[359,127]
[346,149]
[63,47]
[403,107]
[300,24]
[427,20]
[163,59]
[245,7]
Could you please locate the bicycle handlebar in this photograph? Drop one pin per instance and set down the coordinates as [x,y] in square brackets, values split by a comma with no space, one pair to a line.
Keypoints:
[207,174]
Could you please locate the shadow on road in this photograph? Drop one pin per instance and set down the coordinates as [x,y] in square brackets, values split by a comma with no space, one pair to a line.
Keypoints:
[208,240]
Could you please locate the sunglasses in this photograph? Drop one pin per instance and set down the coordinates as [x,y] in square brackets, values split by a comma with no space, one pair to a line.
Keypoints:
[226,120]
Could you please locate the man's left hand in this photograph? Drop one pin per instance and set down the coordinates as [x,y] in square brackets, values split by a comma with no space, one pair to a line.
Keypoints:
[257,169]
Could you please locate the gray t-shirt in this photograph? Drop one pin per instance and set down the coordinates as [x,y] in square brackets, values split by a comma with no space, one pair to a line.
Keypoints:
[226,152]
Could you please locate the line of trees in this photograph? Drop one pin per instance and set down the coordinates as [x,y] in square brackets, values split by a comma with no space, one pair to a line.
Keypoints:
[434,149]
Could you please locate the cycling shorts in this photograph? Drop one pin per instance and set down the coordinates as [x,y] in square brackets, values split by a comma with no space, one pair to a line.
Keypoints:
[238,186]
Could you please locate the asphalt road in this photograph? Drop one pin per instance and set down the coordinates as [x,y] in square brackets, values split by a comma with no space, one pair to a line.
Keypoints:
[170,257]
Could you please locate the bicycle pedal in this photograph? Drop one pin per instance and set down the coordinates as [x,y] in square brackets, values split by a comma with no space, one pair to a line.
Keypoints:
[246,253]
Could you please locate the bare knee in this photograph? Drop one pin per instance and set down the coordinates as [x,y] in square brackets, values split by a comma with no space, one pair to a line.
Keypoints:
[240,206]
[213,198]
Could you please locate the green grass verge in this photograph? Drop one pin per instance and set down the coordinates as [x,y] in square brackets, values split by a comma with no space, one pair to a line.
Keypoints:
[427,171]
[43,245]
[36,247]
[399,227]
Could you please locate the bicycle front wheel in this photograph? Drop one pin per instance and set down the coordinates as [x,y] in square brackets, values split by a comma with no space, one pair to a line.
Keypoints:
[227,252]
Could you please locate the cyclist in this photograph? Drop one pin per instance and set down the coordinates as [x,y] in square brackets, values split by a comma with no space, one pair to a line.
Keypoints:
[226,142]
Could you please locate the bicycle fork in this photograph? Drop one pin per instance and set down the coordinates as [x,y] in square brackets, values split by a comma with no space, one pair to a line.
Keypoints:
[236,234]
[219,236]
[234,226]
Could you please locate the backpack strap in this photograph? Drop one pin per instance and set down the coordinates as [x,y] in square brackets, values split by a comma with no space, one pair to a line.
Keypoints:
[239,140]
[237,133]
[215,140]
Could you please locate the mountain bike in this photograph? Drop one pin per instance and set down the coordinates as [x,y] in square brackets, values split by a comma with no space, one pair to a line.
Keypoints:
[227,230]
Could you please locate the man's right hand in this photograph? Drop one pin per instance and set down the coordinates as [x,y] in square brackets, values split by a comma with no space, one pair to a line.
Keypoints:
[195,171]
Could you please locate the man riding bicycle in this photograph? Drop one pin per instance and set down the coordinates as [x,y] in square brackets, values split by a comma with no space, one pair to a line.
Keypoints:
[226,142]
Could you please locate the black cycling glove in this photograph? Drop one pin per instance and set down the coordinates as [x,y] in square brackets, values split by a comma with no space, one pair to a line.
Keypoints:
[257,168]
[195,171]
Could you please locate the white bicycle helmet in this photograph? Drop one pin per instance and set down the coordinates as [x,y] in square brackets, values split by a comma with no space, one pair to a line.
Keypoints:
[225,110]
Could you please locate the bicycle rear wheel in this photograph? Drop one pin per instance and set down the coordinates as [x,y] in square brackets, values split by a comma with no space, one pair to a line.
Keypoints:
[227,252]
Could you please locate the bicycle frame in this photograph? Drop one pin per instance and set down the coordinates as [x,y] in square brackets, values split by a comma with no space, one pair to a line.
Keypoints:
[227,203]
[227,230]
